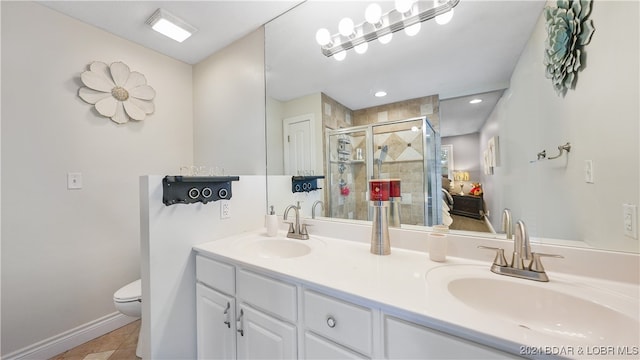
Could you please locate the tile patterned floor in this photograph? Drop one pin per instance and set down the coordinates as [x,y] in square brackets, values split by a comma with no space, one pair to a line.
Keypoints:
[120,344]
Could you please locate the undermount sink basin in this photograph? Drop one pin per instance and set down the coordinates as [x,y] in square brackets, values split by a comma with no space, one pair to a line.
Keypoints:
[559,309]
[278,248]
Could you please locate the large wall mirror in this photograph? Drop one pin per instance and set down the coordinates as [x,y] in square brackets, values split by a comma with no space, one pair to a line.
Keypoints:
[324,115]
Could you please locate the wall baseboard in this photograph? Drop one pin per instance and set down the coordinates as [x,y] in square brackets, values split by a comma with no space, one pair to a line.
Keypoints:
[67,340]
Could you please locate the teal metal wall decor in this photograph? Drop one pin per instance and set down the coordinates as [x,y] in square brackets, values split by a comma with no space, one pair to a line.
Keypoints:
[568,31]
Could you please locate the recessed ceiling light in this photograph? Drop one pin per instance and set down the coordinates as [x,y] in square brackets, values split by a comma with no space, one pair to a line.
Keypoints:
[170,25]
[475,101]
[380,94]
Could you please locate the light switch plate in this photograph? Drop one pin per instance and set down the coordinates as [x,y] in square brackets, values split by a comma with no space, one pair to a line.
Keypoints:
[588,171]
[630,218]
[74,181]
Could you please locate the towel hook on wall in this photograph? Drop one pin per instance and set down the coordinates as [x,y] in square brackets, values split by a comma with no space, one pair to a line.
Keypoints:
[542,154]
[566,147]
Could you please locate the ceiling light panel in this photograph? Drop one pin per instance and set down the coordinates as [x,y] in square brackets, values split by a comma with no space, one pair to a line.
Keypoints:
[170,25]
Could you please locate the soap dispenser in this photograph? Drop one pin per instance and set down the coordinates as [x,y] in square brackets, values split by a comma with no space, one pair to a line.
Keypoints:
[271,222]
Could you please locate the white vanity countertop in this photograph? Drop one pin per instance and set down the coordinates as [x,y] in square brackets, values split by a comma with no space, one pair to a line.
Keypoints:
[398,284]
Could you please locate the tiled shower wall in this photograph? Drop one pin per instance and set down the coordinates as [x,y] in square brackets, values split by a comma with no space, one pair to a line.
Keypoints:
[404,159]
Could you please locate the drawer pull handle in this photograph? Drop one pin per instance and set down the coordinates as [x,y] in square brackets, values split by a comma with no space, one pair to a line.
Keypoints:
[239,323]
[226,316]
[331,322]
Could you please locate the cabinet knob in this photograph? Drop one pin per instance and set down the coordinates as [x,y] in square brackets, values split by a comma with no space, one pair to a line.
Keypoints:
[331,322]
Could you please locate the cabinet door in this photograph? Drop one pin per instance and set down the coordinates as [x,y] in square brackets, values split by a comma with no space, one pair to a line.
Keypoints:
[261,336]
[316,347]
[216,333]
[404,340]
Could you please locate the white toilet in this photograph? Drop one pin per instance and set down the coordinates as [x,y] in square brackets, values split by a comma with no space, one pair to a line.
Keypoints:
[128,300]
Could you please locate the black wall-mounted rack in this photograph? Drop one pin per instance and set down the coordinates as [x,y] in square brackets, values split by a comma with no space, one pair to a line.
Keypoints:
[305,183]
[193,189]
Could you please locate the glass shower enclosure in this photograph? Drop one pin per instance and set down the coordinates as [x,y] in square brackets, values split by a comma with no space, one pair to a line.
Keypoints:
[405,149]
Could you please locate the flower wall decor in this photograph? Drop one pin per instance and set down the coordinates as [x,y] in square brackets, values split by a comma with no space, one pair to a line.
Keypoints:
[117,92]
[568,31]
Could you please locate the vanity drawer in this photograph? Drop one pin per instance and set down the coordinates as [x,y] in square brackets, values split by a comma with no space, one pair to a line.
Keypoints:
[345,323]
[216,274]
[268,294]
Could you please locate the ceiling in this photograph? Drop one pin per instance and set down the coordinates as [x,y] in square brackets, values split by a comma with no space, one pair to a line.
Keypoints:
[219,23]
[474,54]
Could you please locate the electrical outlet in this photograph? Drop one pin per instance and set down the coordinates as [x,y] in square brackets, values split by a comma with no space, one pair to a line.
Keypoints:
[630,218]
[74,181]
[225,210]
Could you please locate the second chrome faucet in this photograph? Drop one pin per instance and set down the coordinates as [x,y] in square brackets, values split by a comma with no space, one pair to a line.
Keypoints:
[524,264]
[297,230]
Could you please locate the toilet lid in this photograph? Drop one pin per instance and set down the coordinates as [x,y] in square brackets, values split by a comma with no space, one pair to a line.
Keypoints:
[129,292]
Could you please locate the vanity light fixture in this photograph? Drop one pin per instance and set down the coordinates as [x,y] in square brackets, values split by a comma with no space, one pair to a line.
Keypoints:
[475,101]
[170,25]
[407,15]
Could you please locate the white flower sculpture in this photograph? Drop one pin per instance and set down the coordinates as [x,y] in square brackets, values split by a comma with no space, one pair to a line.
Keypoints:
[117,92]
[568,32]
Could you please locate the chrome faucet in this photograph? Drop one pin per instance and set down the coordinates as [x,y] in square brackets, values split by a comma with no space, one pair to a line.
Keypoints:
[507,225]
[524,263]
[296,229]
[521,247]
[313,208]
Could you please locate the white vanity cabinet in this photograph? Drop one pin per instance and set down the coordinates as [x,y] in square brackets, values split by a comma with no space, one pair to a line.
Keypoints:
[234,314]
[406,340]
[264,337]
[216,324]
[267,316]
[346,328]
[247,314]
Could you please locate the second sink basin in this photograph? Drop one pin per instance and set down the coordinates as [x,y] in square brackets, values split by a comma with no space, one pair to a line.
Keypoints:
[560,309]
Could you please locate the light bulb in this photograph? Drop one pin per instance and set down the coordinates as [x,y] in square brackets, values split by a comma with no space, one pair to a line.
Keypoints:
[412,30]
[323,37]
[444,18]
[345,27]
[403,6]
[339,56]
[385,39]
[362,48]
[373,13]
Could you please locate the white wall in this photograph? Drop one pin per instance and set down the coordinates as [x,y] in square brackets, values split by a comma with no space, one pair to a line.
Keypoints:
[466,154]
[275,140]
[168,263]
[229,132]
[599,118]
[229,107]
[64,253]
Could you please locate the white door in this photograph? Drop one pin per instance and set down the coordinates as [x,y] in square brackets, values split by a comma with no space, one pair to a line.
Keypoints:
[216,332]
[261,336]
[299,147]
